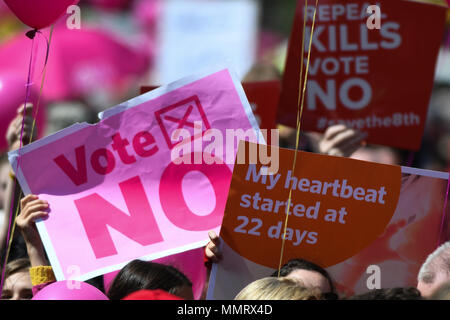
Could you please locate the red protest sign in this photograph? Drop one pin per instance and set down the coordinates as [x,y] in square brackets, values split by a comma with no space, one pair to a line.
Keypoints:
[264,97]
[374,80]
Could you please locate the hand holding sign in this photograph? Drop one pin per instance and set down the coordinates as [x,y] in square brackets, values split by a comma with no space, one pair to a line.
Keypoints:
[212,250]
[15,131]
[33,209]
[339,140]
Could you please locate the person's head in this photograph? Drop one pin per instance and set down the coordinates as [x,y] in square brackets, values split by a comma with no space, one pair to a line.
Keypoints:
[409,293]
[442,293]
[17,281]
[64,114]
[262,71]
[138,275]
[272,288]
[308,274]
[435,271]
[379,154]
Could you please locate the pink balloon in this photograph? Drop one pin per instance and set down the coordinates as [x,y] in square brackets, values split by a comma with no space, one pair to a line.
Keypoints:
[81,63]
[191,263]
[12,96]
[39,14]
[70,290]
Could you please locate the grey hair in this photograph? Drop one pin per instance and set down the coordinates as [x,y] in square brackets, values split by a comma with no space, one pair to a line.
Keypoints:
[439,259]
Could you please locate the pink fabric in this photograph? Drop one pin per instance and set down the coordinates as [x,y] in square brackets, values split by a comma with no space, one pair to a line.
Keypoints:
[39,287]
[81,62]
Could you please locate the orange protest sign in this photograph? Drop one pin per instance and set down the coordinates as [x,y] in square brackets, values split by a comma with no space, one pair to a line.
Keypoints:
[338,207]
[346,215]
[376,79]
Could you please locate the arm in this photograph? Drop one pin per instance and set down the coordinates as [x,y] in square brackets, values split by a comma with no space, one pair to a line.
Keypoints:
[33,209]
[13,189]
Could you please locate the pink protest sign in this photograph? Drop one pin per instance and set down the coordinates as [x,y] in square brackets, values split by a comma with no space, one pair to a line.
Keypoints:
[114,192]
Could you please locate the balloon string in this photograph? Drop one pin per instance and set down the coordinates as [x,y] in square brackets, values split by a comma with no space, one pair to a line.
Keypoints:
[27,95]
[31,68]
[49,41]
[444,213]
[32,34]
[301,69]
[299,118]
[35,114]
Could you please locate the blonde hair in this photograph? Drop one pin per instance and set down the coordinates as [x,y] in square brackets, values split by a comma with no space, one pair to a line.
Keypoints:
[438,260]
[272,288]
[262,71]
[442,293]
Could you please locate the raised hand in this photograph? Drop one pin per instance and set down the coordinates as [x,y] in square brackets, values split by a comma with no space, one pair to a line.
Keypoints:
[212,248]
[15,127]
[339,140]
[33,209]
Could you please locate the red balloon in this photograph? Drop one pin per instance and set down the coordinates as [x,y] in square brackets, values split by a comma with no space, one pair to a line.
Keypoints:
[39,14]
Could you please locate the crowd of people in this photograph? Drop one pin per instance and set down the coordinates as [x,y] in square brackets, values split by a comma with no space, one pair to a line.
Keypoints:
[28,270]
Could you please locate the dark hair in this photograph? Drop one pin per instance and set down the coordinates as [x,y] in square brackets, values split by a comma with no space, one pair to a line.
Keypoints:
[301,264]
[409,293]
[138,275]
